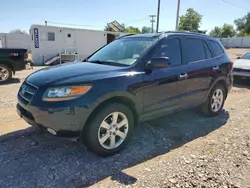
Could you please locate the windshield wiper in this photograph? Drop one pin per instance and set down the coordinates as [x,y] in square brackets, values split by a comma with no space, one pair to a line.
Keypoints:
[107,63]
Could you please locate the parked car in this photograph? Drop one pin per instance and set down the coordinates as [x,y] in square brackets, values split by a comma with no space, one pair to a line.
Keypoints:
[132,79]
[242,66]
[11,60]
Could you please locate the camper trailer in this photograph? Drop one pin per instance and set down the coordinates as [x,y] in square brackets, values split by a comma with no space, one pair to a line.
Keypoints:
[52,44]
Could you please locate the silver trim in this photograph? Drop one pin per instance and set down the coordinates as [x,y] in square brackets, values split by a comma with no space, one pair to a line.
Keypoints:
[206,59]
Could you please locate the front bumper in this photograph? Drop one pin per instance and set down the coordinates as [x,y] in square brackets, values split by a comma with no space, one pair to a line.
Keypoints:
[66,122]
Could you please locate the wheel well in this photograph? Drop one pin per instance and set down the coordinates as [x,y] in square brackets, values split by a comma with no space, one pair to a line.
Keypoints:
[223,82]
[8,65]
[122,100]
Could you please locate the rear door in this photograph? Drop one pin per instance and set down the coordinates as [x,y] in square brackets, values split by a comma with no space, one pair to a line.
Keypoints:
[164,87]
[201,68]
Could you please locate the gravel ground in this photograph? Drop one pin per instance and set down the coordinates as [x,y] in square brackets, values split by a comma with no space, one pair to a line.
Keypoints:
[182,150]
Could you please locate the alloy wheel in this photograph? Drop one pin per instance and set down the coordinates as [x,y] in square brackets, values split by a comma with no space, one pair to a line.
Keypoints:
[113,130]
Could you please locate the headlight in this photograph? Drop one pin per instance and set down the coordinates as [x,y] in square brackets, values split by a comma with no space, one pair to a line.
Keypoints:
[65,93]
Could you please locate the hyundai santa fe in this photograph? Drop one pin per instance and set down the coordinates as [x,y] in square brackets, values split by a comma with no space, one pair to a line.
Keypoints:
[135,78]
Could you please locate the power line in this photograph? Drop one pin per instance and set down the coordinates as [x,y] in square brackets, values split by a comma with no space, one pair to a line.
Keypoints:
[228,2]
[152,21]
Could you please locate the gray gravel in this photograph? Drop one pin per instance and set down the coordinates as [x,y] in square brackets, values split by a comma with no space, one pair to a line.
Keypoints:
[181,150]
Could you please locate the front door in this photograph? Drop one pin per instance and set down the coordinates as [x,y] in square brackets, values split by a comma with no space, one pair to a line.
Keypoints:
[164,87]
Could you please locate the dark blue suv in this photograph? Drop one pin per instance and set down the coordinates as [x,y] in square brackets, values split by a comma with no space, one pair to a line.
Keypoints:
[132,79]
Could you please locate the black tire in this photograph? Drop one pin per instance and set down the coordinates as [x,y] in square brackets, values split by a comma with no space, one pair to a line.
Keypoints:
[91,131]
[207,106]
[9,73]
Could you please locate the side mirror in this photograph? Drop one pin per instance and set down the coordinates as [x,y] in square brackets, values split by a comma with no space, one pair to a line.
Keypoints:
[238,57]
[158,62]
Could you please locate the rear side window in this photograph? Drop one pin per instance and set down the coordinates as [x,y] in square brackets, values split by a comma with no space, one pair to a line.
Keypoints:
[217,49]
[194,50]
[170,48]
[207,50]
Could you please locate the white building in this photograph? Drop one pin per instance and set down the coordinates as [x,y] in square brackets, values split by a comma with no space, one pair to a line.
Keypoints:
[50,41]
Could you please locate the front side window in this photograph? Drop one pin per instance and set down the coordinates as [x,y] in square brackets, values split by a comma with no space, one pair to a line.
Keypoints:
[123,51]
[170,48]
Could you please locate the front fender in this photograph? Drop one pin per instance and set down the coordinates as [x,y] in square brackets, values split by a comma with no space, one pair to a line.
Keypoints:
[123,94]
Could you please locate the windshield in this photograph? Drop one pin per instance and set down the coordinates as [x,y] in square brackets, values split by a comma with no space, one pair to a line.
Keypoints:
[246,56]
[122,51]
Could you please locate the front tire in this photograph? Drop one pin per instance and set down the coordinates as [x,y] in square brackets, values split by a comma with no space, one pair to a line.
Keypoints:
[5,73]
[109,131]
[215,101]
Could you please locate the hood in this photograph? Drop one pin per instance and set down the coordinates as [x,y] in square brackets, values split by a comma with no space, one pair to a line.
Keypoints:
[78,72]
[242,64]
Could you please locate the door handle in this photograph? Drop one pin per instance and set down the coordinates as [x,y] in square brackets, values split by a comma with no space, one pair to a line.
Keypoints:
[216,68]
[183,76]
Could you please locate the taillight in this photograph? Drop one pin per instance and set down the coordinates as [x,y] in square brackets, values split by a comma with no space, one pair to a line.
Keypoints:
[25,56]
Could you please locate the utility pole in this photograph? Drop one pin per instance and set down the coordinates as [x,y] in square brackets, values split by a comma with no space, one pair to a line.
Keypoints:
[152,21]
[177,15]
[158,15]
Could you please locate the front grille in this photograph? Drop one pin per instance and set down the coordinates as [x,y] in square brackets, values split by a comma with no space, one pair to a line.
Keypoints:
[27,91]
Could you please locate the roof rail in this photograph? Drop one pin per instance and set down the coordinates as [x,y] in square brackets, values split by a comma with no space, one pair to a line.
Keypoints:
[186,32]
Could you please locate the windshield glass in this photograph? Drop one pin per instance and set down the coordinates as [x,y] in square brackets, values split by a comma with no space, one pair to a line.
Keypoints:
[246,56]
[122,51]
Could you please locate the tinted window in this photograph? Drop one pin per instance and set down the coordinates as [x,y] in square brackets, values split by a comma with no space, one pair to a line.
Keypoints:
[194,50]
[216,48]
[170,48]
[207,50]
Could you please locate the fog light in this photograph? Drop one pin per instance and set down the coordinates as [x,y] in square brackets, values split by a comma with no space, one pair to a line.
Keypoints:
[51,131]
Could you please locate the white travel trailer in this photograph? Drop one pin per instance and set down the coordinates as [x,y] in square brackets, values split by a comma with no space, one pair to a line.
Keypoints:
[50,43]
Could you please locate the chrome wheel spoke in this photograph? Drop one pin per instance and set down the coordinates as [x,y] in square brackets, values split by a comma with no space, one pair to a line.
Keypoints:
[115,117]
[104,138]
[105,125]
[121,134]
[214,97]
[121,124]
[112,141]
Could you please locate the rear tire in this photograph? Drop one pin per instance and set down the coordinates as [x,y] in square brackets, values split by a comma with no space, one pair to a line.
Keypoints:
[5,73]
[215,101]
[110,130]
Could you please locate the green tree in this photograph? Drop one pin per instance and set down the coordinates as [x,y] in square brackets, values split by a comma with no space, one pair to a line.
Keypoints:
[190,21]
[146,29]
[243,25]
[216,32]
[228,31]
[134,30]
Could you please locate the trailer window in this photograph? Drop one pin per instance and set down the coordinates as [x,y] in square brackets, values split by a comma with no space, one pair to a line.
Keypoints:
[51,36]
[69,35]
